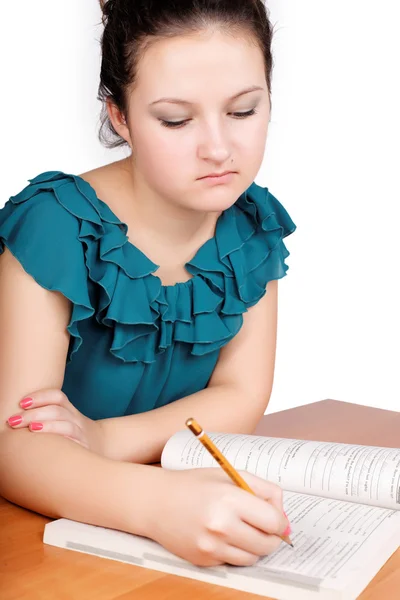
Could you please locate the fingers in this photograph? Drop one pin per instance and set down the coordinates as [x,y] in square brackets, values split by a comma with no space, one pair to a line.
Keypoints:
[47,413]
[212,552]
[64,428]
[237,557]
[263,516]
[253,541]
[249,547]
[265,510]
[44,405]
[50,411]
[265,489]
[50,396]
[46,397]
[49,419]
[256,527]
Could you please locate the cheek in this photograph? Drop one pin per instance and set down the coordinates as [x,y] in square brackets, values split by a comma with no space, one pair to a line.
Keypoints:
[163,150]
[163,161]
[166,156]
[252,151]
[253,137]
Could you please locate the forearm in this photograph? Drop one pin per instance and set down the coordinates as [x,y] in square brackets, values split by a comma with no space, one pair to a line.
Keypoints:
[141,438]
[59,478]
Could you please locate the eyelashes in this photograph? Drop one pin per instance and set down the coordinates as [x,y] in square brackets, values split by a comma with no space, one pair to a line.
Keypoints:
[180,124]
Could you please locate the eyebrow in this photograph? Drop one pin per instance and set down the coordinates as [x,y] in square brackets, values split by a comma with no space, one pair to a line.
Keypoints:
[253,88]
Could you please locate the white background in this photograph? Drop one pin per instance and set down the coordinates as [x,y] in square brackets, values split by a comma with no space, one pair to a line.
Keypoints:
[332,159]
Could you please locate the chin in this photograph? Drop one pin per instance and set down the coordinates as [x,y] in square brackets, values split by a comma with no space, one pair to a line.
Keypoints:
[215,202]
[216,198]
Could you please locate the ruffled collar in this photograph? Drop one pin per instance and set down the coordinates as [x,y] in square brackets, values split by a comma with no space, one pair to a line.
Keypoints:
[229,271]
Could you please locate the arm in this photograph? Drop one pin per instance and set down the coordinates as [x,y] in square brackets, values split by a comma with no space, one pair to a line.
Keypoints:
[49,474]
[212,523]
[234,401]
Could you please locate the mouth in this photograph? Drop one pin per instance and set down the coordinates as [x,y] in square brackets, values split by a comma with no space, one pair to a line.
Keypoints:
[217,175]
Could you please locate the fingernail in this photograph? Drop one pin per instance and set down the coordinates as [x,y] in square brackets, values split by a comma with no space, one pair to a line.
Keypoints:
[287,531]
[36,426]
[26,403]
[13,421]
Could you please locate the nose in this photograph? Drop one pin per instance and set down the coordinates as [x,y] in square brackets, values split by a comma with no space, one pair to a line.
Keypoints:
[214,144]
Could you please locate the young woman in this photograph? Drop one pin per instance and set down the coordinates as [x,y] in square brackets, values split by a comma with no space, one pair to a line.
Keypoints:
[141,293]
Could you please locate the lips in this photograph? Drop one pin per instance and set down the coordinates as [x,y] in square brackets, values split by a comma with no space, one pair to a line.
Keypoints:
[217,174]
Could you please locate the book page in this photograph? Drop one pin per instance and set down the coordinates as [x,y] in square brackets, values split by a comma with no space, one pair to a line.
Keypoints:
[332,539]
[364,474]
[333,542]
[338,546]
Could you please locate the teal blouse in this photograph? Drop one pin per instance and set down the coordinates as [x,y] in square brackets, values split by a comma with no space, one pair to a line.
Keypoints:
[136,344]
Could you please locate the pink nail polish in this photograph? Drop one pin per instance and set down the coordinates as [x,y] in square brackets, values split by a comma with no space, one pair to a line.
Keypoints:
[287,531]
[13,421]
[26,403]
[36,426]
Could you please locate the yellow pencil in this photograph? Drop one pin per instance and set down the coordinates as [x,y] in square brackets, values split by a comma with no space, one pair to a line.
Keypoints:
[223,462]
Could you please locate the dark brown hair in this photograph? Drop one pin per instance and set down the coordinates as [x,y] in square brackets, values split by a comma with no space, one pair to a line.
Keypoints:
[130,26]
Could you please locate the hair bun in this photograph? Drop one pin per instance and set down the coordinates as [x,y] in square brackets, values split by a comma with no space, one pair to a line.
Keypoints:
[107,7]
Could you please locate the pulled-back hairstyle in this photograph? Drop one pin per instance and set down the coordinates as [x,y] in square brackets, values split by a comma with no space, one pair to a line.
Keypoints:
[130,26]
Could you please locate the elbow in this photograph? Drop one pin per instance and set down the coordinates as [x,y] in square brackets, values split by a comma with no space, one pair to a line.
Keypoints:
[251,409]
[23,467]
[11,459]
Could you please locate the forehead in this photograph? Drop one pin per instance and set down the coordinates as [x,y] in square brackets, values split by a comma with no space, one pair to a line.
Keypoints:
[200,63]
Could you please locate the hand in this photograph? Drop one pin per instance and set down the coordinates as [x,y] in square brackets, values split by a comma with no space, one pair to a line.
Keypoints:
[201,516]
[50,411]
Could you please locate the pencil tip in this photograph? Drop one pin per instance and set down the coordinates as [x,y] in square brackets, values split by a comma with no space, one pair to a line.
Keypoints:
[292,545]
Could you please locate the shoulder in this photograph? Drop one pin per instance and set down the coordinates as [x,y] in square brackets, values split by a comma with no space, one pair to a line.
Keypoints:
[37,211]
[111,183]
[56,202]
[43,195]
[48,225]
[41,227]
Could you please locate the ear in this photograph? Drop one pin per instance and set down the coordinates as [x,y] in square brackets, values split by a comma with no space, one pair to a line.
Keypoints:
[118,121]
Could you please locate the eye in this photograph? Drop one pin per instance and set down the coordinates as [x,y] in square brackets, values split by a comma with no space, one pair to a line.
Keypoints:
[179,124]
[173,124]
[243,115]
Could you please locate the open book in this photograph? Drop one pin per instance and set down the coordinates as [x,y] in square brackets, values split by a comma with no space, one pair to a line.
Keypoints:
[343,502]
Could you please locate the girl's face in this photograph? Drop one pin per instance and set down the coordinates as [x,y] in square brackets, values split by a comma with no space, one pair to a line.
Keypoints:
[204,76]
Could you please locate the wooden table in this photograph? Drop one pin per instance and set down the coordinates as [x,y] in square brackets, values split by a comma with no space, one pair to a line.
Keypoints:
[30,570]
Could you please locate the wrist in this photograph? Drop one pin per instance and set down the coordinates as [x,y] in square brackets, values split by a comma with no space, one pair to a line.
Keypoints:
[147,490]
[96,437]
[127,439]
